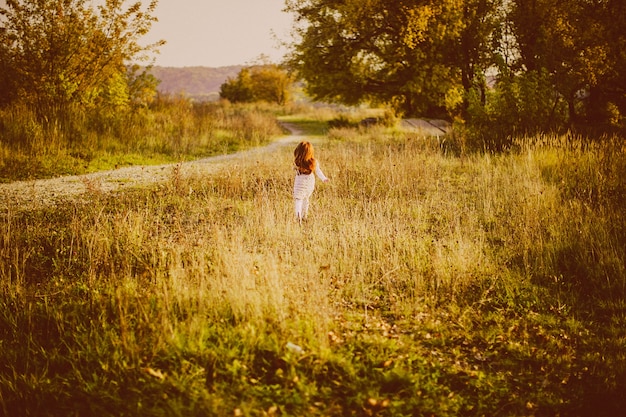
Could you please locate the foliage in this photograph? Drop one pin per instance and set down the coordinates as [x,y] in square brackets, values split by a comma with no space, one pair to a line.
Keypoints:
[423,284]
[521,105]
[575,43]
[415,55]
[60,54]
[441,59]
[142,85]
[238,90]
[261,83]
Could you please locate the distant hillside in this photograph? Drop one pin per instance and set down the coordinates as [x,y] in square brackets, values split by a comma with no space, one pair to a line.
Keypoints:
[201,83]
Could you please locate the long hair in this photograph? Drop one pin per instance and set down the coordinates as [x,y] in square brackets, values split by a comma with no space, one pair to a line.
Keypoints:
[303,158]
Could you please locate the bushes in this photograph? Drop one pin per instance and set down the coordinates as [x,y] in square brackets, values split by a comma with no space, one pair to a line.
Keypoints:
[518,105]
[261,83]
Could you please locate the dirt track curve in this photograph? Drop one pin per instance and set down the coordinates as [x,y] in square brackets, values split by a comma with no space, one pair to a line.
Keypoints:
[48,191]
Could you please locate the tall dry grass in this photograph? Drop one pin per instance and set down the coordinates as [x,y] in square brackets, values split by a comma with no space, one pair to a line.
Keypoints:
[459,271]
[170,130]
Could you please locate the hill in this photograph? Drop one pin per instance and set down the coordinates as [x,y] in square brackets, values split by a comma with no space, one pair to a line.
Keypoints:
[202,83]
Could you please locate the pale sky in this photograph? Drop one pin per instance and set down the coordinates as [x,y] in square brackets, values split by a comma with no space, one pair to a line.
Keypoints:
[216,33]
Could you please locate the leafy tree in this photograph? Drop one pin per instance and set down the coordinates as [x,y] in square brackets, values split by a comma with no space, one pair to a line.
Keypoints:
[575,43]
[239,89]
[520,105]
[420,56]
[608,96]
[271,84]
[60,53]
[266,82]
[142,85]
[479,39]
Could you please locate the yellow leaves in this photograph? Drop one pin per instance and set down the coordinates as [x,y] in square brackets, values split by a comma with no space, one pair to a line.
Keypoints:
[418,19]
[454,97]
[592,63]
[431,23]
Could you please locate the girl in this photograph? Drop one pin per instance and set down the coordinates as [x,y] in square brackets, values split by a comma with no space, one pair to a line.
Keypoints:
[306,168]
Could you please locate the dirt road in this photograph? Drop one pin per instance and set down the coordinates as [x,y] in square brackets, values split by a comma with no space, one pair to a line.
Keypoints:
[49,191]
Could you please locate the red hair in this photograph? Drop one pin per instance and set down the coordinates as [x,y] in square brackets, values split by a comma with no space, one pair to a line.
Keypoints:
[303,158]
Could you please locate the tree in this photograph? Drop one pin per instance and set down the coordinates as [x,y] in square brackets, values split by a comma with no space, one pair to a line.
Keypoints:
[142,85]
[271,84]
[238,90]
[432,57]
[267,82]
[59,53]
[574,42]
[477,47]
[608,96]
[420,56]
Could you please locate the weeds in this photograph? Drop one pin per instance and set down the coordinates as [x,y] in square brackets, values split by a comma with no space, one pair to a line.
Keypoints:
[423,284]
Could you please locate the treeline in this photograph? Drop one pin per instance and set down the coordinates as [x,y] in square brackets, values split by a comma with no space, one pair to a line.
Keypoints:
[497,68]
[556,65]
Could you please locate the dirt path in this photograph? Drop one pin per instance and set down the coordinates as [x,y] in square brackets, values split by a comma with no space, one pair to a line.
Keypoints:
[48,191]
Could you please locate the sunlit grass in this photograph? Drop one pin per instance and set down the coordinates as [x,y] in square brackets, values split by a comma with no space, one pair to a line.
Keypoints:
[170,131]
[421,284]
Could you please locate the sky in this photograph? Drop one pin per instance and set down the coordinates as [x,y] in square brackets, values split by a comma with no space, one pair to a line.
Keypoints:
[215,33]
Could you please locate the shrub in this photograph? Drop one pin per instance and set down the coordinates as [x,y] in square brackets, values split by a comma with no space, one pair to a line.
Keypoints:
[519,105]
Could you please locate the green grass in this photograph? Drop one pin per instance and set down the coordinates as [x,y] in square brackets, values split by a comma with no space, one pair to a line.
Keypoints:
[422,284]
[170,131]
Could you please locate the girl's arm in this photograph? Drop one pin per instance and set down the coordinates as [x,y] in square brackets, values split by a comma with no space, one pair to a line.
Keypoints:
[320,174]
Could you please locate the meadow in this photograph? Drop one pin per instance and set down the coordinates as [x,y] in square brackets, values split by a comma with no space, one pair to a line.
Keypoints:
[427,281]
[170,130]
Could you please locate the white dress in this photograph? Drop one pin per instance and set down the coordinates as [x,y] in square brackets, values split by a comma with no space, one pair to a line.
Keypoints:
[304,184]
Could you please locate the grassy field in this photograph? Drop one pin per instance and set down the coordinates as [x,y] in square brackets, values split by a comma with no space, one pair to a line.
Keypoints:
[424,283]
[170,131]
